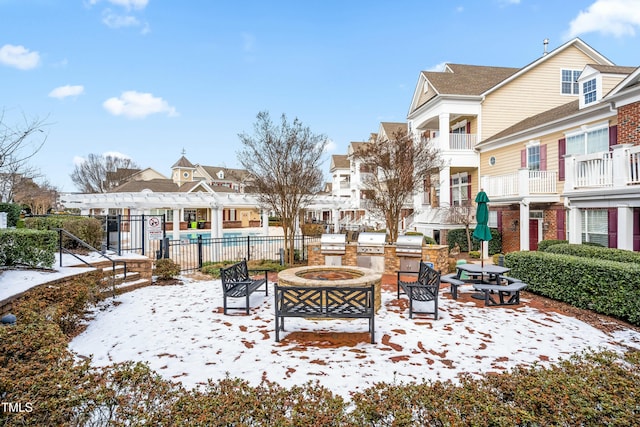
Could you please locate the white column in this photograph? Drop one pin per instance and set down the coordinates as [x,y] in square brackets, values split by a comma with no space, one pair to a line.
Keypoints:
[523,182]
[335,216]
[445,187]
[443,129]
[625,227]
[569,172]
[575,226]
[524,225]
[216,222]
[176,224]
[620,167]
[265,222]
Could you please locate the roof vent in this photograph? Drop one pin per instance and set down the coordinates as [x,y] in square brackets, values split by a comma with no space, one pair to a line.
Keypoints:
[545,42]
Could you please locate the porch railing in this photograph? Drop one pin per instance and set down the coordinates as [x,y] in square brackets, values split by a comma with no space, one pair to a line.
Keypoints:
[462,141]
[520,184]
[617,168]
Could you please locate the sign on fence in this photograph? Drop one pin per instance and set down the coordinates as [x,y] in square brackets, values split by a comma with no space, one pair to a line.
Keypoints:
[155,228]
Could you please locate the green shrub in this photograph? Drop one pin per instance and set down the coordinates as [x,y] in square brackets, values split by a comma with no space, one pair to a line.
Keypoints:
[28,248]
[544,244]
[459,236]
[474,254]
[13,213]
[593,251]
[88,229]
[607,287]
[428,240]
[166,268]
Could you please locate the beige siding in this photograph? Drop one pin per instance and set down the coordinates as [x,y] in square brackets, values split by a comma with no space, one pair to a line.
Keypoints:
[609,82]
[534,92]
[508,158]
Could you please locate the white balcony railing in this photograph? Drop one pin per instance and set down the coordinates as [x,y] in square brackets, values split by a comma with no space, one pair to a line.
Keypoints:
[520,184]
[618,168]
[462,141]
[633,160]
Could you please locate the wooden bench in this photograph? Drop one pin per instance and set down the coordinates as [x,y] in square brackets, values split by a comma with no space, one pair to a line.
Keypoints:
[507,294]
[425,288]
[325,302]
[237,283]
[453,281]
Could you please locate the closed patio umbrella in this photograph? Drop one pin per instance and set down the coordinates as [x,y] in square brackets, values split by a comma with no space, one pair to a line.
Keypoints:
[482,231]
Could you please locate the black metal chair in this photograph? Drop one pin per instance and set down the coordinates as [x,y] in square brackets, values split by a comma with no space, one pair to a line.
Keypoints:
[425,288]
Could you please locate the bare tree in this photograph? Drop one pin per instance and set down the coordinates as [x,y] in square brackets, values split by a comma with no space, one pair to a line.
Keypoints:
[283,163]
[463,214]
[100,173]
[18,144]
[397,168]
[38,198]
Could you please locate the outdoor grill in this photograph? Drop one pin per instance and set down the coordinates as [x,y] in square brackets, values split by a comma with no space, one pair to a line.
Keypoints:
[409,246]
[333,244]
[370,251]
[371,243]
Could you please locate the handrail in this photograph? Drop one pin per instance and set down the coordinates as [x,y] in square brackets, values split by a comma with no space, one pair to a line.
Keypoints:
[88,246]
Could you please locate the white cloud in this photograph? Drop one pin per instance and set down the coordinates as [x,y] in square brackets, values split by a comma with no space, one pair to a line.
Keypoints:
[331,146]
[127,4]
[609,17]
[437,67]
[19,57]
[113,20]
[65,91]
[137,105]
[78,160]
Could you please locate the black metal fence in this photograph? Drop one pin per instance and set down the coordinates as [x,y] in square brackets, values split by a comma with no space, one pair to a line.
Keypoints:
[146,235]
[192,253]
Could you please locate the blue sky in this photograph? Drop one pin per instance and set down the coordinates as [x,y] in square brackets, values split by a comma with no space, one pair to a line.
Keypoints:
[149,78]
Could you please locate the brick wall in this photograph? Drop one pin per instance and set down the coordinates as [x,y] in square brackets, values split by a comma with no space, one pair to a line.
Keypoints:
[629,124]
[437,254]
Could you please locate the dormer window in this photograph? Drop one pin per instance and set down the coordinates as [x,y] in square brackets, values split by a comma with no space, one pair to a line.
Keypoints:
[221,175]
[589,91]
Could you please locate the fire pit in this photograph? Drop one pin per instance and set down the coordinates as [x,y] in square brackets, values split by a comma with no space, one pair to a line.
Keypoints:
[325,275]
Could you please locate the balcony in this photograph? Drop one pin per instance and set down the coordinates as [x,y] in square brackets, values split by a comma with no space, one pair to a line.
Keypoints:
[617,169]
[520,184]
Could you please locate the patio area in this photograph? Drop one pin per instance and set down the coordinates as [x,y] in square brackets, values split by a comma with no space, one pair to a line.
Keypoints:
[181,332]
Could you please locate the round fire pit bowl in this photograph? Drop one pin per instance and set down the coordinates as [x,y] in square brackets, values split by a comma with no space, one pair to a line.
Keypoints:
[330,275]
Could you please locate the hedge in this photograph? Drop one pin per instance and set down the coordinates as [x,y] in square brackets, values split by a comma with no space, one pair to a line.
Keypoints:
[607,287]
[87,229]
[591,251]
[459,236]
[13,211]
[38,370]
[544,244]
[28,248]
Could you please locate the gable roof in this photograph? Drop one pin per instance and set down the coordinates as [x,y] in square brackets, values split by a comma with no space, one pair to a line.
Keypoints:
[155,185]
[340,161]
[234,175]
[462,79]
[389,129]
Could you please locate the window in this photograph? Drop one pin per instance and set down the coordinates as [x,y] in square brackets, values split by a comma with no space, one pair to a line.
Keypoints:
[588,141]
[589,91]
[570,82]
[460,189]
[533,157]
[492,161]
[595,226]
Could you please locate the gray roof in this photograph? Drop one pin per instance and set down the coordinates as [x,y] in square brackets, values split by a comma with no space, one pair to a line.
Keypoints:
[467,79]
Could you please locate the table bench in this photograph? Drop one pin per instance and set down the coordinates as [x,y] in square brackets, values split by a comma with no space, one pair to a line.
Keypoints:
[425,288]
[454,282]
[507,294]
[237,283]
[325,302]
